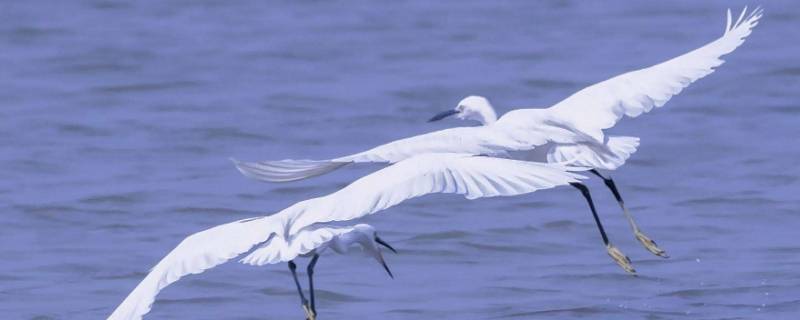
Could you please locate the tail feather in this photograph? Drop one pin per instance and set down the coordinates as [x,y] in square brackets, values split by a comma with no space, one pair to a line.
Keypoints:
[610,156]
[286,170]
[623,147]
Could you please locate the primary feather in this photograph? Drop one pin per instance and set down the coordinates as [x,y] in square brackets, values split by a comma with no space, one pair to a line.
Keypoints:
[195,254]
[600,106]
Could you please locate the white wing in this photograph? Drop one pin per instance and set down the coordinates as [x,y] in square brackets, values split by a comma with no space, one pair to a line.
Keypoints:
[484,140]
[209,248]
[469,175]
[278,249]
[600,106]
[472,176]
[488,140]
[196,253]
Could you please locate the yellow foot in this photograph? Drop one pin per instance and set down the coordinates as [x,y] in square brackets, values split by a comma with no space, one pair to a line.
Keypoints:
[310,315]
[650,245]
[620,258]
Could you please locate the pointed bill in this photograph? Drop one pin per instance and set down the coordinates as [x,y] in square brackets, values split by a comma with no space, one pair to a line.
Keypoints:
[442,115]
[386,267]
[383,243]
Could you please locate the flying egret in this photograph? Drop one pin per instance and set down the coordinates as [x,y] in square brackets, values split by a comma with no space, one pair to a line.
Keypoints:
[571,130]
[310,242]
[301,228]
[342,239]
[480,109]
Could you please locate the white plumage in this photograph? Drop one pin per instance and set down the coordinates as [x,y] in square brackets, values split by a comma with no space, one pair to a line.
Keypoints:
[472,176]
[300,228]
[209,248]
[572,128]
[315,239]
[195,254]
[445,161]
[571,131]
[600,106]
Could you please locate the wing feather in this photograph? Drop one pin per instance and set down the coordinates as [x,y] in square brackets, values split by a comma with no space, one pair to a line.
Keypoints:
[483,140]
[601,105]
[196,253]
[278,249]
[471,176]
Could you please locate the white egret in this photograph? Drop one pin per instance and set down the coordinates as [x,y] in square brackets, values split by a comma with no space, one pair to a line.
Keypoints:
[571,130]
[301,228]
[310,242]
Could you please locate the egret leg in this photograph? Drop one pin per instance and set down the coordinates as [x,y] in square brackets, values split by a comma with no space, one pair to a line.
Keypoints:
[648,243]
[303,301]
[620,258]
[310,270]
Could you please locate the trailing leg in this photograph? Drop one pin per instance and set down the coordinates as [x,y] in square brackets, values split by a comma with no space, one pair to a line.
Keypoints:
[613,251]
[310,270]
[648,243]
[303,301]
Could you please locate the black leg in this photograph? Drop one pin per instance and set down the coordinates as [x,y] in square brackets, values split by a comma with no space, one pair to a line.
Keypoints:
[609,183]
[585,191]
[648,243]
[621,259]
[310,270]
[293,268]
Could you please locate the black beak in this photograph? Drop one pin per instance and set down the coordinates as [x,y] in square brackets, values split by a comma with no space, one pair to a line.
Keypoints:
[443,115]
[383,243]
[387,269]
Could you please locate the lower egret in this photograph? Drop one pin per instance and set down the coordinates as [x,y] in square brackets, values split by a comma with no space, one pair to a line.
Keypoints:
[202,250]
[301,228]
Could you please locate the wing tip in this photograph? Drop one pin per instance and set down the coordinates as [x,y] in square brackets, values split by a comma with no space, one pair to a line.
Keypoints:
[749,20]
[728,23]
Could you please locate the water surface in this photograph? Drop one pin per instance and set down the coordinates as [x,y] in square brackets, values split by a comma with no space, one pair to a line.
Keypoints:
[117,119]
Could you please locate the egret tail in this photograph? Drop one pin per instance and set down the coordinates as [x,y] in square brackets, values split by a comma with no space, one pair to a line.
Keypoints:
[648,243]
[608,156]
[286,170]
[622,147]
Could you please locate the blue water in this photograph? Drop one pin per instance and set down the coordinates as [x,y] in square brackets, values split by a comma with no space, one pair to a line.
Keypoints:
[117,119]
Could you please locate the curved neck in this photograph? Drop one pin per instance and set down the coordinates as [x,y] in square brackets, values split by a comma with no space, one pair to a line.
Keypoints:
[486,117]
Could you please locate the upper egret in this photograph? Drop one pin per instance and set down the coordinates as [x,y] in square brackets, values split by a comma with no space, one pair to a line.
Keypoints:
[571,130]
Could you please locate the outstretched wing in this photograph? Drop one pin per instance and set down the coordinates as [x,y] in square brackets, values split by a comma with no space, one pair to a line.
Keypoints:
[600,106]
[196,253]
[484,140]
[472,176]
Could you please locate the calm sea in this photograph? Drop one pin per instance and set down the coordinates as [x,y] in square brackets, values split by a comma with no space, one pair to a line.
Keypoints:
[117,120]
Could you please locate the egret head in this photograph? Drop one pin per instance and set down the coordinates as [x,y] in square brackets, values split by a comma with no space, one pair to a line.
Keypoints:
[369,240]
[470,108]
